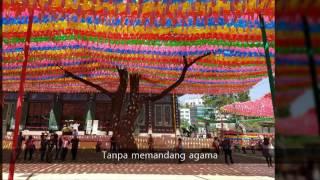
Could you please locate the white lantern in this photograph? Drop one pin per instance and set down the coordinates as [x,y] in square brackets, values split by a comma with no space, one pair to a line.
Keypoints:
[178,132]
[110,133]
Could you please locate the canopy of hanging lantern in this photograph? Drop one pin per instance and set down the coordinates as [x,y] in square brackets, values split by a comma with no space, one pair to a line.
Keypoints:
[258,108]
[293,72]
[91,38]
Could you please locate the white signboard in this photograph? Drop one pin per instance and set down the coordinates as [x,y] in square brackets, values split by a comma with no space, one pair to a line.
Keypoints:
[218,125]
[89,127]
[95,126]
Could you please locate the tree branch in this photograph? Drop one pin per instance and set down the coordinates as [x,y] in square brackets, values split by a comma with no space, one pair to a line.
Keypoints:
[98,87]
[198,58]
[179,81]
[123,75]
[185,61]
[134,83]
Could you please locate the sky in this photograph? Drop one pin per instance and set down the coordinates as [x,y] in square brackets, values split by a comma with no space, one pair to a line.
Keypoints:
[260,89]
[257,91]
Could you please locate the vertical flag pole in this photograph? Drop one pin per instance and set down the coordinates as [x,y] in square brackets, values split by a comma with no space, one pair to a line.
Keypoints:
[20,96]
[268,61]
[312,67]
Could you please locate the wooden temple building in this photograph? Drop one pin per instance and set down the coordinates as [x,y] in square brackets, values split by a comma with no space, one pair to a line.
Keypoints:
[49,112]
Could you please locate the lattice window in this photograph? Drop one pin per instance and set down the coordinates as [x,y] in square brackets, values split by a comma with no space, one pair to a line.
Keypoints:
[38,115]
[163,115]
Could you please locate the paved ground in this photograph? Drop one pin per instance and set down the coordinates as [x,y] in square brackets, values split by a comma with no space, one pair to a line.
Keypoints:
[132,177]
[178,169]
[256,171]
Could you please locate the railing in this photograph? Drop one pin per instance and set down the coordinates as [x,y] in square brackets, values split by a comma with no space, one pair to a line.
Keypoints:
[169,143]
[163,142]
[87,142]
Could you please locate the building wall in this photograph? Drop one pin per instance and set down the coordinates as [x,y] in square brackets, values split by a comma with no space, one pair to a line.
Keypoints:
[193,102]
[44,111]
[185,114]
[198,112]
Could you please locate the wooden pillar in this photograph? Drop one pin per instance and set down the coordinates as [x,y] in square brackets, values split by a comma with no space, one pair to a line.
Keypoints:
[174,115]
[177,111]
[149,111]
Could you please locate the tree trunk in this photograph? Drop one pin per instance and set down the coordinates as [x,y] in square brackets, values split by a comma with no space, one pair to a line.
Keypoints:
[126,129]
[117,103]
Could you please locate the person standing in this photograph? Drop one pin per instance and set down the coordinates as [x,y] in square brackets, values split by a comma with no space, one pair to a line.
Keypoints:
[180,149]
[253,146]
[113,147]
[65,144]
[75,128]
[74,147]
[215,145]
[150,143]
[221,145]
[59,148]
[21,138]
[50,144]
[226,145]
[267,151]
[30,147]
[98,146]
[43,146]
[260,145]
[55,143]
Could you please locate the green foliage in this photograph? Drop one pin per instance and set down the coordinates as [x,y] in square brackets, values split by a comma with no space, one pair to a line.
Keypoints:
[184,123]
[193,128]
[218,101]
[252,126]
[241,97]
[209,115]
[187,131]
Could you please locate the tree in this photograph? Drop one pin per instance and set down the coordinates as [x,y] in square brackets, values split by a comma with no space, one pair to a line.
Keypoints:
[252,126]
[184,126]
[218,101]
[188,130]
[123,127]
[193,129]
[242,97]
[208,118]
[184,123]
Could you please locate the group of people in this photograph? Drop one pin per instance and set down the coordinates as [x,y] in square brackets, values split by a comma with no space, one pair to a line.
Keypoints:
[51,147]
[225,147]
